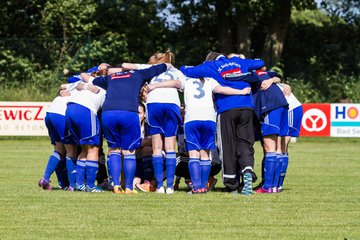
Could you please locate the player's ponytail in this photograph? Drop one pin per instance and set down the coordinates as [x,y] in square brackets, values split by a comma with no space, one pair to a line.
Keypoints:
[167,57]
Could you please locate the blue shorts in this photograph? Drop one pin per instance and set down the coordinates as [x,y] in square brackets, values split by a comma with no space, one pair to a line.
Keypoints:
[295,117]
[200,135]
[58,131]
[275,122]
[163,118]
[122,129]
[84,125]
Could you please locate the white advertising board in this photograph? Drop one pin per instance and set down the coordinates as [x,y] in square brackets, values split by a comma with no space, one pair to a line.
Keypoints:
[23,118]
[345,120]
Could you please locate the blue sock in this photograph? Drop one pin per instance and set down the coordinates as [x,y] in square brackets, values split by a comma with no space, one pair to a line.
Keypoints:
[109,169]
[205,166]
[170,168]
[147,168]
[277,170]
[195,172]
[53,161]
[80,172]
[61,173]
[71,170]
[129,170]
[115,167]
[284,165]
[158,164]
[92,168]
[269,169]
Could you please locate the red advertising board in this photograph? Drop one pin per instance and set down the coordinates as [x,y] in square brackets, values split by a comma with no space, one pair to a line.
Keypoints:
[316,120]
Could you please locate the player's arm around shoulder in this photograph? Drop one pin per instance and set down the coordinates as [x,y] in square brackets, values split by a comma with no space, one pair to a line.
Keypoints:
[217,88]
[231,91]
[286,89]
[268,82]
[166,84]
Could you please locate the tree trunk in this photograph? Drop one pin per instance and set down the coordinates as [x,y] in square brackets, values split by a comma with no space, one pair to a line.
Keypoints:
[224,23]
[274,40]
[243,30]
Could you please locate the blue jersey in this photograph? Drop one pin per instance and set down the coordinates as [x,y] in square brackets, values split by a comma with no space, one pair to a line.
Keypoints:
[123,88]
[77,77]
[269,99]
[218,69]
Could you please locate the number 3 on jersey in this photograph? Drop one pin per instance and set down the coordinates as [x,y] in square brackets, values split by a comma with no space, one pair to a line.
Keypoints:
[200,89]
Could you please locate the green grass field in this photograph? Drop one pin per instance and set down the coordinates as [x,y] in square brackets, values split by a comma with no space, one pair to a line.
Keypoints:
[321,201]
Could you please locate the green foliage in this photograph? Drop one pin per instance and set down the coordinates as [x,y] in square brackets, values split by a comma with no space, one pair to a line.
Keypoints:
[343,10]
[321,51]
[145,32]
[65,18]
[18,69]
[315,18]
[324,54]
[20,18]
[305,91]
[111,47]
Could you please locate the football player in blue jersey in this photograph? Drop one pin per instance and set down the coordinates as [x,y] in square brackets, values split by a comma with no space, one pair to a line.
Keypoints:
[235,117]
[271,111]
[120,119]
[164,120]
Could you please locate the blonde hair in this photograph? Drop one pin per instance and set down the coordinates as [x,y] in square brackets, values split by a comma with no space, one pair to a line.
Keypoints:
[239,55]
[159,57]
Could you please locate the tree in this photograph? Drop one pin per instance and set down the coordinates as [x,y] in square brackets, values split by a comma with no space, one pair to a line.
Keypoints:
[145,32]
[68,19]
[254,28]
[20,18]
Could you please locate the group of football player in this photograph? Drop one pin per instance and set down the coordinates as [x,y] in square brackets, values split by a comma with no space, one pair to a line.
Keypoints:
[229,103]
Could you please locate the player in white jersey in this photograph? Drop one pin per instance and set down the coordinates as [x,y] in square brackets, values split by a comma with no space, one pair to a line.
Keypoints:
[83,122]
[295,113]
[163,118]
[200,123]
[64,144]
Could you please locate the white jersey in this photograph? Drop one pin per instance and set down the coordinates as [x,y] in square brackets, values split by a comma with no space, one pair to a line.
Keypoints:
[59,104]
[90,100]
[163,95]
[198,98]
[292,100]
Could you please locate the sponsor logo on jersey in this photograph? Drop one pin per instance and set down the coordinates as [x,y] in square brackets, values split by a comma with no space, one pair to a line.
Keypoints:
[261,72]
[120,76]
[231,71]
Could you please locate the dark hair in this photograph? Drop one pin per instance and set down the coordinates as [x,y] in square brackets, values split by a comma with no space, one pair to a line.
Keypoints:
[141,104]
[212,56]
[101,72]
